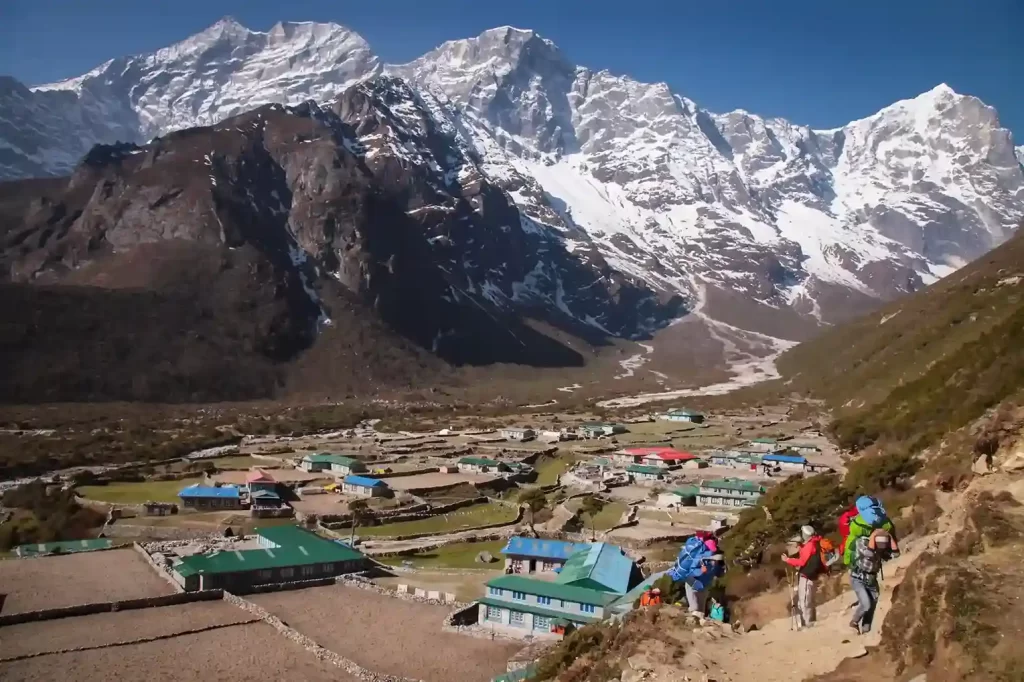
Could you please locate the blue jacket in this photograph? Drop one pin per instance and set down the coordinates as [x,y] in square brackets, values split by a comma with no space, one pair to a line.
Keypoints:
[701,580]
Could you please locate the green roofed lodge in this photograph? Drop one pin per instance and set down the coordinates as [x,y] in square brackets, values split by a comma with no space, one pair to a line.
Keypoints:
[591,579]
[285,554]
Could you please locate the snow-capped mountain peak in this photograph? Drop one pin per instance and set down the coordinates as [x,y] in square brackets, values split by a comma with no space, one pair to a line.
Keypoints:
[759,223]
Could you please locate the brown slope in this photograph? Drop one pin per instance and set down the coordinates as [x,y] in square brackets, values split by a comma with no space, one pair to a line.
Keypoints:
[926,364]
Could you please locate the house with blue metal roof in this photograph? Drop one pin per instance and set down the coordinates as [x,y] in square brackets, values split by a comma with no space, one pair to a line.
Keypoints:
[790,462]
[537,555]
[364,486]
[591,580]
[198,496]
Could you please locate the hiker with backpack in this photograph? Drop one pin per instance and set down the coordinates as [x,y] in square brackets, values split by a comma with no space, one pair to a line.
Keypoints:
[870,516]
[698,564]
[868,552]
[814,558]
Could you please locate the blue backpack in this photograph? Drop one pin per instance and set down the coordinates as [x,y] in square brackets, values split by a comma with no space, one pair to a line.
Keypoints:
[689,558]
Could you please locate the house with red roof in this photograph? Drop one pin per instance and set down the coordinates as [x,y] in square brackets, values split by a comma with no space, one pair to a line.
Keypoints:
[668,459]
[258,479]
[627,456]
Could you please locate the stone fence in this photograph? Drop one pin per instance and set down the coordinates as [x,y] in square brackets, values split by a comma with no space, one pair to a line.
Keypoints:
[131,640]
[422,511]
[483,537]
[498,524]
[160,570]
[108,607]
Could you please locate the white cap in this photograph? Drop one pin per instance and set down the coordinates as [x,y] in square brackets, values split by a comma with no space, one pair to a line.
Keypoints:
[806,532]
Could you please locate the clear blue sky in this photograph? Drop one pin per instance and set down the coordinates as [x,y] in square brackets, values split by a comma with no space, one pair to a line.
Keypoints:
[821,63]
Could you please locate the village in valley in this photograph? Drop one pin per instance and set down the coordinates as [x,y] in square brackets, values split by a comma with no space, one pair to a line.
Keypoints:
[476,547]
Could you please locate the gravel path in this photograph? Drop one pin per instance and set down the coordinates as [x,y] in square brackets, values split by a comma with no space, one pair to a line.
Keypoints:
[50,582]
[389,635]
[239,653]
[120,626]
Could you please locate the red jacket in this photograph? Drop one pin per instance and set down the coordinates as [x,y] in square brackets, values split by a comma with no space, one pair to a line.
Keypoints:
[807,552]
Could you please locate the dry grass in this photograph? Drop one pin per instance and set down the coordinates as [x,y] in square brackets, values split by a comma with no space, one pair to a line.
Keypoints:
[231,654]
[51,582]
[388,635]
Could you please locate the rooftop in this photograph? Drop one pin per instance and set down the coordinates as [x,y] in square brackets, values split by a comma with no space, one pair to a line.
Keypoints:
[542,549]
[641,469]
[732,484]
[327,458]
[600,567]
[293,546]
[62,547]
[764,441]
[686,491]
[544,588]
[672,456]
[258,476]
[684,412]
[196,490]
[364,481]
[778,457]
[480,461]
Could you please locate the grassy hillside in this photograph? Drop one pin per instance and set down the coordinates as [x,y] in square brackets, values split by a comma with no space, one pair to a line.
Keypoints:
[926,364]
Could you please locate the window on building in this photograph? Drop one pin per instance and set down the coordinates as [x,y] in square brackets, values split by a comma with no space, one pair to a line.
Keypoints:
[287,572]
[495,591]
[541,623]
[494,613]
[265,575]
[517,619]
[308,570]
[328,568]
[519,596]
[543,600]
[587,608]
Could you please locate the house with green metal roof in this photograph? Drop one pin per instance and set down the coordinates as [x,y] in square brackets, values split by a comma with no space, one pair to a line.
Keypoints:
[682,415]
[285,554]
[642,473]
[763,444]
[335,464]
[62,547]
[591,579]
[481,465]
[729,492]
[683,496]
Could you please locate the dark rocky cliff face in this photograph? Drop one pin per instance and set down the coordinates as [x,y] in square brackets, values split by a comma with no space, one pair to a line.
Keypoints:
[229,251]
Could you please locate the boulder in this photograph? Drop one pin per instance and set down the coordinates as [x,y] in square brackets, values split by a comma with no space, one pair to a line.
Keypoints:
[485,558]
[981,465]
[1014,462]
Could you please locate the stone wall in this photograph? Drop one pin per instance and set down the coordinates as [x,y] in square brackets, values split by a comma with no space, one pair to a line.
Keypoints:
[464,617]
[499,535]
[409,515]
[160,570]
[499,524]
[109,606]
[132,640]
[285,587]
[349,666]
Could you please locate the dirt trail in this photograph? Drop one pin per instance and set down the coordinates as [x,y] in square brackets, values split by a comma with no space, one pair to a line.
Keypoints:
[776,653]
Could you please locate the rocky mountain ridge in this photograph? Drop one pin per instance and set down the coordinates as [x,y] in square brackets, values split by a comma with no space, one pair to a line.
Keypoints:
[760,228]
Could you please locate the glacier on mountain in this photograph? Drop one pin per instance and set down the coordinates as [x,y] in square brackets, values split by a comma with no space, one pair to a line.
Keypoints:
[760,223]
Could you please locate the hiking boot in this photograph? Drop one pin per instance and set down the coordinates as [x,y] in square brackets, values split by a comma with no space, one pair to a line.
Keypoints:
[855,625]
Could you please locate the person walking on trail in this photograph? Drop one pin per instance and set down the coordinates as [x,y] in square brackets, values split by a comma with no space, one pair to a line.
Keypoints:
[868,554]
[699,580]
[870,516]
[810,566]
